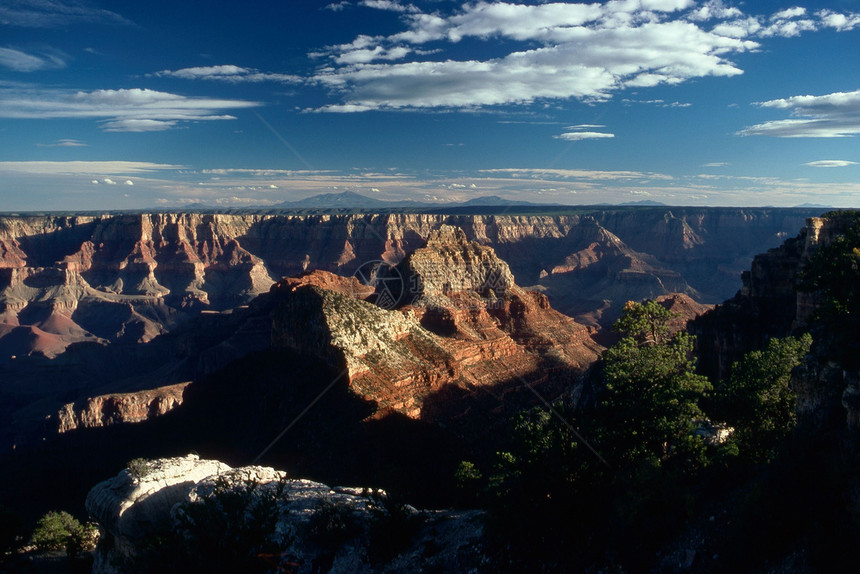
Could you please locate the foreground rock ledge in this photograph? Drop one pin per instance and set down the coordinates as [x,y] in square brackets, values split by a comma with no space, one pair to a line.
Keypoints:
[131,510]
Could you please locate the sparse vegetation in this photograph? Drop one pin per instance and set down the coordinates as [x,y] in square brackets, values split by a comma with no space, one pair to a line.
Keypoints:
[138,468]
[59,530]
[230,530]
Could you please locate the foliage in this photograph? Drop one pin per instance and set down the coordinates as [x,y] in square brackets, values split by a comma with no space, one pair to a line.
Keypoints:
[468,479]
[650,406]
[554,500]
[757,401]
[833,271]
[62,531]
[647,323]
[543,493]
[230,529]
[138,468]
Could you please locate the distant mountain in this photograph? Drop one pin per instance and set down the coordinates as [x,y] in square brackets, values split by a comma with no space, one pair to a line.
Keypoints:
[346,200]
[493,200]
[814,206]
[352,200]
[650,202]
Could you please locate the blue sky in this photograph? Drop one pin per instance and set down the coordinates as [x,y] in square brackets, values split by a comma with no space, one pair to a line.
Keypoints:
[128,105]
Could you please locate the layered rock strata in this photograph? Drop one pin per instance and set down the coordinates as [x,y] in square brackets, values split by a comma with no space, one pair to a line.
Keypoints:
[105,410]
[128,278]
[460,320]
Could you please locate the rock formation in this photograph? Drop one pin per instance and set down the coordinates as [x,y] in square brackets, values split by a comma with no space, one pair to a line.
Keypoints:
[318,528]
[128,278]
[459,320]
[111,409]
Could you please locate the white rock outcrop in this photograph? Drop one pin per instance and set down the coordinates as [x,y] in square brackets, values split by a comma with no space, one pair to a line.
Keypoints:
[131,511]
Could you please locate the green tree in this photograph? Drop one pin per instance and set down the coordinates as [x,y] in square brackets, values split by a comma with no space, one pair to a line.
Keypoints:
[650,406]
[834,272]
[647,323]
[757,401]
[62,531]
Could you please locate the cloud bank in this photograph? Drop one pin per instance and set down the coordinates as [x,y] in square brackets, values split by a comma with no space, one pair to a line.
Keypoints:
[227,73]
[54,13]
[835,115]
[19,61]
[124,110]
[547,51]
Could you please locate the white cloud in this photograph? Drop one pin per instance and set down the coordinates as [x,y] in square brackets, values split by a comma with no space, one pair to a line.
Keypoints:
[829,116]
[660,103]
[548,50]
[841,22]
[579,136]
[55,13]
[19,61]
[64,143]
[581,51]
[131,110]
[390,5]
[84,167]
[128,182]
[789,13]
[108,181]
[227,73]
[576,174]
[714,9]
[830,163]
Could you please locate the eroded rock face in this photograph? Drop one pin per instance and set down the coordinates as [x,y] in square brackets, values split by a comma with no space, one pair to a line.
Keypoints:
[131,511]
[129,278]
[461,323]
[105,410]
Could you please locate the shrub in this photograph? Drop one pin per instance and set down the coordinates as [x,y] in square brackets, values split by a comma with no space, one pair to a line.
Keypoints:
[232,529]
[62,531]
[138,468]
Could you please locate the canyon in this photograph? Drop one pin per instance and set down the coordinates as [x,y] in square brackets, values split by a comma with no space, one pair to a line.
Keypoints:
[108,300]
[128,278]
[167,333]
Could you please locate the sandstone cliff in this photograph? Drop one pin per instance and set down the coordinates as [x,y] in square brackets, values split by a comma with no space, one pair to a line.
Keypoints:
[118,408]
[128,278]
[459,320]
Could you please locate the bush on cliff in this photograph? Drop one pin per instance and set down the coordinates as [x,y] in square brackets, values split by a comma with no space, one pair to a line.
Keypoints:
[62,531]
[230,530]
[650,406]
